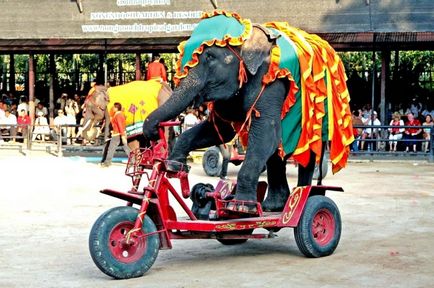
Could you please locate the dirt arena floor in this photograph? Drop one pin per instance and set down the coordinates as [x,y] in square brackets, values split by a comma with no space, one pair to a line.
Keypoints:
[48,205]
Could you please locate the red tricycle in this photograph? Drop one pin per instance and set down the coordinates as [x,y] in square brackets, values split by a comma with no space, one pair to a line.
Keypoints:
[124,241]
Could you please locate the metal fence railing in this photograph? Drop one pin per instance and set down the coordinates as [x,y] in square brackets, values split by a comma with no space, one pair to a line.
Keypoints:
[378,141]
[23,137]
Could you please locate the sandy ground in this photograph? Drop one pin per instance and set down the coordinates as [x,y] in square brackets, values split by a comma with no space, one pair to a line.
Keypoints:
[48,205]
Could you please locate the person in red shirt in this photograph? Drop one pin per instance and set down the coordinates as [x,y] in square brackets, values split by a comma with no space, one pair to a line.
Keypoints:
[411,133]
[23,121]
[156,70]
[119,135]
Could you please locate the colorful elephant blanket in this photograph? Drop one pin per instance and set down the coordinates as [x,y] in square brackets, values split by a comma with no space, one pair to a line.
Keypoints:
[138,99]
[316,108]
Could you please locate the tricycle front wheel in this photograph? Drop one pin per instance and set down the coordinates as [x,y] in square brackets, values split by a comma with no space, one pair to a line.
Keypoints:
[110,251]
[319,229]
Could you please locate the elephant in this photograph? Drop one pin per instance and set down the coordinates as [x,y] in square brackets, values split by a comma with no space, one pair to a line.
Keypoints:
[138,98]
[248,93]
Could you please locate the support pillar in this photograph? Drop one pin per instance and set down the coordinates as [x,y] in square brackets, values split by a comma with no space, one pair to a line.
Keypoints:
[51,89]
[121,71]
[32,87]
[138,66]
[12,73]
[385,62]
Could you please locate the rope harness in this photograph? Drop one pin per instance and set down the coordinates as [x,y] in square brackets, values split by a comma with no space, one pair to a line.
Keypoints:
[245,126]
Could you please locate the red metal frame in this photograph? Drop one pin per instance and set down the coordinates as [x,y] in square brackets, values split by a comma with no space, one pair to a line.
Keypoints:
[154,202]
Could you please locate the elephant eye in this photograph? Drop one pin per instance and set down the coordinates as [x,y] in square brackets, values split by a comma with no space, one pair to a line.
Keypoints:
[209,56]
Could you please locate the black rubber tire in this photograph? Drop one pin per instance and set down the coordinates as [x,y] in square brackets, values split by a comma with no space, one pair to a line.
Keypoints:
[212,161]
[99,244]
[308,243]
[324,168]
[230,242]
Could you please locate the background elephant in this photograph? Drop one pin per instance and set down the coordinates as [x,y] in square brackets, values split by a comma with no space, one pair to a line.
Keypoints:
[234,66]
[138,99]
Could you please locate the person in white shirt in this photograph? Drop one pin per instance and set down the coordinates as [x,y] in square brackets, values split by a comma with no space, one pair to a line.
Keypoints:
[41,127]
[369,132]
[395,131]
[23,105]
[59,125]
[41,108]
[9,119]
[190,119]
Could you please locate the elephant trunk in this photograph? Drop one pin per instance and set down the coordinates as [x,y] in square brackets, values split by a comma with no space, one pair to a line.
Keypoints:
[183,96]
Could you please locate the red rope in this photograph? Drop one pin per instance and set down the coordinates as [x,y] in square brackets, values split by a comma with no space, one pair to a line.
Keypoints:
[242,77]
[242,74]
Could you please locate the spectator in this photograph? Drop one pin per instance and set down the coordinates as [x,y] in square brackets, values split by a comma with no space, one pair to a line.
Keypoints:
[61,102]
[59,126]
[410,134]
[119,135]
[395,132]
[370,133]
[427,132]
[156,70]
[71,109]
[41,127]
[10,120]
[3,107]
[41,108]
[24,122]
[79,115]
[357,121]
[190,119]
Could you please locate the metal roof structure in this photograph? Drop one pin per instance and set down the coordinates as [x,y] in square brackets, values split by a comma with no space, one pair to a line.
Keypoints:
[150,25]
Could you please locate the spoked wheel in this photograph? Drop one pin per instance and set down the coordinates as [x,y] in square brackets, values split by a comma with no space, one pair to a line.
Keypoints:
[235,241]
[319,229]
[113,254]
[212,161]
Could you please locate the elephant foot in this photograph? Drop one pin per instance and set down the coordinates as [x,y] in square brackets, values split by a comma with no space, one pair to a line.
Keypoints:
[242,207]
[274,203]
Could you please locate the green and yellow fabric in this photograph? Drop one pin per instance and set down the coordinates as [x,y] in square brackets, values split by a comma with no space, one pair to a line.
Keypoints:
[316,108]
[138,99]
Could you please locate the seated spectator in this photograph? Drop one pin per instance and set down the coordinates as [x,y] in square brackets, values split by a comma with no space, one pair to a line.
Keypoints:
[41,127]
[24,122]
[10,120]
[41,108]
[59,125]
[395,132]
[410,134]
[427,132]
[23,105]
[370,133]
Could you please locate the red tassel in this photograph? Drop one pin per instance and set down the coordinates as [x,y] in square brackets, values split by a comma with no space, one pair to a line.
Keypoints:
[242,75]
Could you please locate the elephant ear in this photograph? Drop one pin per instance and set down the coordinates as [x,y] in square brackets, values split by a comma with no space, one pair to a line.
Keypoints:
[255,50]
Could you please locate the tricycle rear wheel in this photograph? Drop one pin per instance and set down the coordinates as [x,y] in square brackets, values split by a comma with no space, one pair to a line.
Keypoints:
[319,229]
[109,250]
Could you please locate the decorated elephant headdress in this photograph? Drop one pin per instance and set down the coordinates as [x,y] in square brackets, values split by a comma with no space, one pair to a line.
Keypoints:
[220,28]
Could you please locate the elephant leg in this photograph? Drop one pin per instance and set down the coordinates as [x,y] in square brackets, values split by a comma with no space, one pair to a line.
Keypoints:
[278,190]
[263,141]
[305,174]
[202,135]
